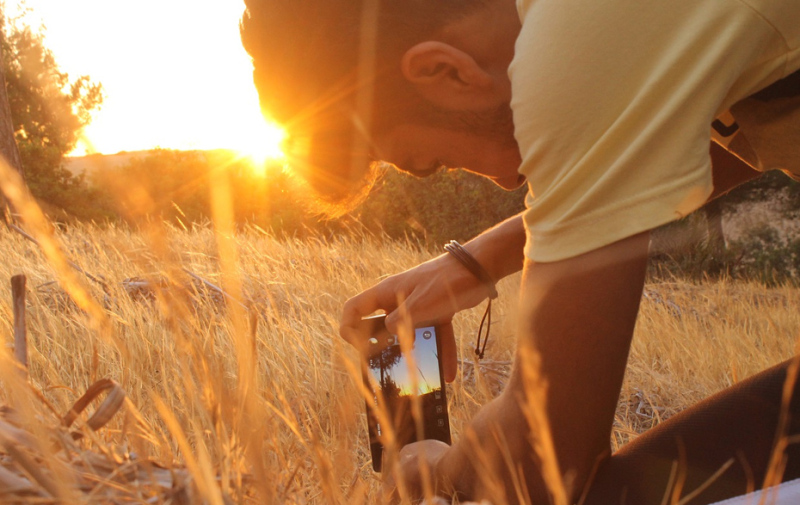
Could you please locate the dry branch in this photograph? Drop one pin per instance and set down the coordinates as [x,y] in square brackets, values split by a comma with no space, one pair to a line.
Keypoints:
[215,288]
[106,410]
[106,476]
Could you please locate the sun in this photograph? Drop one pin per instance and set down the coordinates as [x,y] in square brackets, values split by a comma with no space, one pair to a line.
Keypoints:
[262,142]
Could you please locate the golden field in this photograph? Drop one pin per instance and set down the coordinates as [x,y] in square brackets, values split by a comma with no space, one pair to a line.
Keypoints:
[237,388]
[274,415]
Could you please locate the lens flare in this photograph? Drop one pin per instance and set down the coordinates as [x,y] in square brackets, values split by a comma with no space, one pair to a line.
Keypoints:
[262,144]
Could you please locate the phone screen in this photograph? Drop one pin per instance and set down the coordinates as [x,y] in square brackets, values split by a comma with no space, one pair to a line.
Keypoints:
[391,372]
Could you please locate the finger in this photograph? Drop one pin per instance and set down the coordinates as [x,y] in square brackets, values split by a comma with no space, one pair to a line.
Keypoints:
[447,340]
[414,311]
[423,306]
[399,317]
[365,303]
[418,463]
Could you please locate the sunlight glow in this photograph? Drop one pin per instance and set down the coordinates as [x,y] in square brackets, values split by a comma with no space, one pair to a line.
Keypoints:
[188,85]
[262,143]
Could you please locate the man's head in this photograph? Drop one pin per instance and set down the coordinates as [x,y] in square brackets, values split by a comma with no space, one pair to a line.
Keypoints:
[342,75]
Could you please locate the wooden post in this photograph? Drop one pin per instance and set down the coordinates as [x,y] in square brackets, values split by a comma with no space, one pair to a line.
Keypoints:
[20,330]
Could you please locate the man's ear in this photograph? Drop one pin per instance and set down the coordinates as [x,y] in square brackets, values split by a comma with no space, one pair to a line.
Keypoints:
[448,77]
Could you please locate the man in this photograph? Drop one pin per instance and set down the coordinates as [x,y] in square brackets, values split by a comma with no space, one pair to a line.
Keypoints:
[612,106]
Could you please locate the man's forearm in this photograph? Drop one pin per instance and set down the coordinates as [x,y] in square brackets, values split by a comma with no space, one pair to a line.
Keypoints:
[477,464]
[577,319]
[500,249]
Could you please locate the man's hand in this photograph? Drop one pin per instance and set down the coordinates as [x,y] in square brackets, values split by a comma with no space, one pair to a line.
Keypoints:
[430,293]
[416,468]
[434,291]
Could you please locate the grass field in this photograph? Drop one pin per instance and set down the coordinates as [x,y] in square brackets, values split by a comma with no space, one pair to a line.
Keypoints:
[237,386]
[274,415]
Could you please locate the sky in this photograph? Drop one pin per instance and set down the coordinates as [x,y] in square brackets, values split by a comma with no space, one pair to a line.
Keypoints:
[174,72]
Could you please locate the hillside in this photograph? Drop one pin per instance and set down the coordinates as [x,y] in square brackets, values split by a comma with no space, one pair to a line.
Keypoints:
[95,162]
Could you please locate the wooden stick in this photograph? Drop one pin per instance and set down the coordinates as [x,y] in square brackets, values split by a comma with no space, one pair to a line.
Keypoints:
[20,330]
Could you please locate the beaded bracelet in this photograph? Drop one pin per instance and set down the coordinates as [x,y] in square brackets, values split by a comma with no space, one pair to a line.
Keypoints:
[470,263]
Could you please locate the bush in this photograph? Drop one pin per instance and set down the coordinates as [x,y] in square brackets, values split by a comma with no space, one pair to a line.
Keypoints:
[682,249]
[763,256]
[763,188]
[448,205]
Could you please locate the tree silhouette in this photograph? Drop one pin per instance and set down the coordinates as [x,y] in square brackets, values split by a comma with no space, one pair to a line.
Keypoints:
[388,357]
[8,145]
[391,392]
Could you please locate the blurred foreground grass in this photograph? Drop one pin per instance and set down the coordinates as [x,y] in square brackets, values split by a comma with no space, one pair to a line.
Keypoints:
[262,407]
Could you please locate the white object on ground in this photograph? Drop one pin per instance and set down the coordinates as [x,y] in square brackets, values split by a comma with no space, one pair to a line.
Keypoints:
[787,493]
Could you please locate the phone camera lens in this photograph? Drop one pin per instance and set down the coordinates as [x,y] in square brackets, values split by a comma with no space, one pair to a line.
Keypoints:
[427,335]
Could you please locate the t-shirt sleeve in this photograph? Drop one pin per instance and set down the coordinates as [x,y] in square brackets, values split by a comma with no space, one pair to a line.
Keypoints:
[613,110]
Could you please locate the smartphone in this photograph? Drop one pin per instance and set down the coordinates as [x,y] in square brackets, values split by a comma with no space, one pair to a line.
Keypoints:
[387,375]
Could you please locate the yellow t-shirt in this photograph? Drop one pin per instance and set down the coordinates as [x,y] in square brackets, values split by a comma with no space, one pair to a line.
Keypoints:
[613,102]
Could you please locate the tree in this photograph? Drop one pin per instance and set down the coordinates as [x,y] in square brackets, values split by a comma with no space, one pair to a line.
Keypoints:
[8,145]
[48,111]
[384,360]
[177,182]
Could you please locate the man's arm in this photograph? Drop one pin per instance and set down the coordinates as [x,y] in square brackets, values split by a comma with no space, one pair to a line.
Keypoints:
[500,250]
[577,316]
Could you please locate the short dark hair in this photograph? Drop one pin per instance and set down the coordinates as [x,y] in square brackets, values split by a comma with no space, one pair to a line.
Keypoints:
[305,67]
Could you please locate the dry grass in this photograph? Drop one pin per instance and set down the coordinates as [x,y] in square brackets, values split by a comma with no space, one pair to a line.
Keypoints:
[178,362]
[262,407]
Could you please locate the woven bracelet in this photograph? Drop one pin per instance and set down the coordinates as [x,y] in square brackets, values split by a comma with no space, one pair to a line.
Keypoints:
[470,263]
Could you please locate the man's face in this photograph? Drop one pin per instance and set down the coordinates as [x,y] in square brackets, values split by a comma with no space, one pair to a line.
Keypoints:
[420,150]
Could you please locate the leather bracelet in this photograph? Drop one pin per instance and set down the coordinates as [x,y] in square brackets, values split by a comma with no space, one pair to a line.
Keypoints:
[465,258]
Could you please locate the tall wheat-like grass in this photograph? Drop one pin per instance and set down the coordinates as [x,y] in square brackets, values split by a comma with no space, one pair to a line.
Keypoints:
[257,398]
